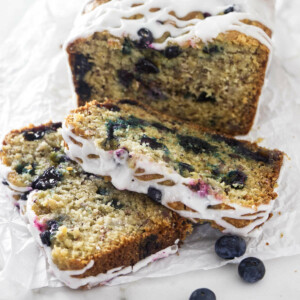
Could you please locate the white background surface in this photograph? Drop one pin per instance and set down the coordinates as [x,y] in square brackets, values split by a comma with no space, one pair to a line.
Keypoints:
[282,280]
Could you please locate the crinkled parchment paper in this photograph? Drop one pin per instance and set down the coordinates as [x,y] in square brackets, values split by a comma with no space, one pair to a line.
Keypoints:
[35,88]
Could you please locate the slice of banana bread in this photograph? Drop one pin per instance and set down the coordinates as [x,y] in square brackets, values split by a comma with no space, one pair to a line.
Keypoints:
[90,232]
[202,61]
[201,175]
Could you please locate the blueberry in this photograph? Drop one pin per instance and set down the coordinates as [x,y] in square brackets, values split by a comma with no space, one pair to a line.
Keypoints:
[102,191]
[125,78]
[127,46]
[204,98]
[45,238]
[154,194]
[236,179]
[172,52]
[81,66]
[229,10]
[23,169]
[52,225]
[24,196]
[251,269]
[230,246]
[146,66]
[32,135]
[146,38]
[115,203]
[212,49]
[83,90]
[47,180]
[197,145]
[155,93]
[153,144]
[184,168]
[203,294]
[4,182]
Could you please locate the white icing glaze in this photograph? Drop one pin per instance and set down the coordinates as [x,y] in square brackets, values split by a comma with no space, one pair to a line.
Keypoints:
[67,276]
[111,16]
[124,177]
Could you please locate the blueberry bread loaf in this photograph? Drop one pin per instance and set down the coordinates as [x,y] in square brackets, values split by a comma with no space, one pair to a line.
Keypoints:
[201,175]
[201,61]
[89,231]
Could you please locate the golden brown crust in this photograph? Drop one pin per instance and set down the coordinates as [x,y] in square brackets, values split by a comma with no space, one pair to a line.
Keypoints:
[132,250]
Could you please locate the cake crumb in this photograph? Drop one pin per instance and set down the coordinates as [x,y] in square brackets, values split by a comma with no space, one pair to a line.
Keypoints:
[281,235]
[267,244]
[279,213]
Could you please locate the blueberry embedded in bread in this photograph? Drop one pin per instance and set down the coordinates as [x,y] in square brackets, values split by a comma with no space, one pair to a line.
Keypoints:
[199,174]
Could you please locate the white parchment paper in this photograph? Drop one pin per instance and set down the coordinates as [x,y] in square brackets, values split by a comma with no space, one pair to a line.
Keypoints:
[34,88]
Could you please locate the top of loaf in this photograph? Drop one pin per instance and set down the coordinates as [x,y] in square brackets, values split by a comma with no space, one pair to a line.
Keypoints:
[174,21]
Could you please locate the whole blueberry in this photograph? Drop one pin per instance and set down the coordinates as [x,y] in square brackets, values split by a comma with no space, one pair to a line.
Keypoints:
[45,238]
[172,52]
[230,246]
[203,294]
[47,180]
[146,38]
[146,66]
[154,194]
[251,269]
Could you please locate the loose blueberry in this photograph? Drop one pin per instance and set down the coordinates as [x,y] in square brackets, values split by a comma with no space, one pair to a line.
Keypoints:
[229,10]
[204,98]
[125,78]
[154,194]
[236,179]
[146,38]
[83,90]
[45,238]
[190,143]
[47,180]
[146,66]
[230,246]
[172,52]
[81,66]
[251,269]
[203,294]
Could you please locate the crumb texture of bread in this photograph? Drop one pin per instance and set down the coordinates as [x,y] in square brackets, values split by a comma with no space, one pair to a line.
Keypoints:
[215,83]
[232,172]
[81,217]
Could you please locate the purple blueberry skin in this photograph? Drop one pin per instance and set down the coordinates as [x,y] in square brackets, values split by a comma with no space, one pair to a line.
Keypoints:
[203,294]
[230,246]
[251,269]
